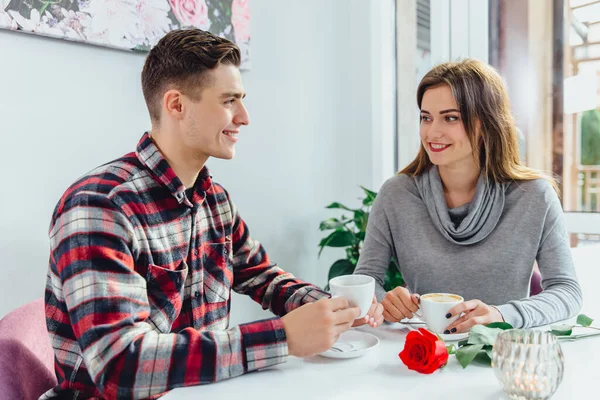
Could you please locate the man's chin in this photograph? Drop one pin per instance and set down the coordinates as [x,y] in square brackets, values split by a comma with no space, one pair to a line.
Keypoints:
[225,155]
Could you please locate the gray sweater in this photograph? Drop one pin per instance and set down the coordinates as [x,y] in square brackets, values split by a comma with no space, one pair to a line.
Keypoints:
[494,266]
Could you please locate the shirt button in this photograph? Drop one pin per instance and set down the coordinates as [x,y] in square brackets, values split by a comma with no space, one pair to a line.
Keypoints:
[196,252]
[197,294]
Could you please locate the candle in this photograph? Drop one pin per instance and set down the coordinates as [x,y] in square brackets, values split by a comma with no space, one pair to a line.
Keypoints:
[528,363]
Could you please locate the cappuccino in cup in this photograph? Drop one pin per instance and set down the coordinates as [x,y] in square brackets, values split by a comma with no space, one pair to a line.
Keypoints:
[433,310]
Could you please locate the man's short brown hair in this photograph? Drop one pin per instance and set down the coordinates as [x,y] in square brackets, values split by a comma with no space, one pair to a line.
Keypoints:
[181,60]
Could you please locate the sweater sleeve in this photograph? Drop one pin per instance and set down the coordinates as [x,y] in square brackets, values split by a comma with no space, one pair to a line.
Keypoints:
[562,296]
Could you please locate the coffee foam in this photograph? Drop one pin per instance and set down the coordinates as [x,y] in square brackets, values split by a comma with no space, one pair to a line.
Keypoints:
[442,298]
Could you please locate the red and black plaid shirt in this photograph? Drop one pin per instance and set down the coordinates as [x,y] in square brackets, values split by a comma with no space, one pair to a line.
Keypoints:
[139,280]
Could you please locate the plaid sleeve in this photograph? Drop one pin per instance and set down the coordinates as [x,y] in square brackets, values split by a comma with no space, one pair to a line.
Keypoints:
[263,281]
[107,306]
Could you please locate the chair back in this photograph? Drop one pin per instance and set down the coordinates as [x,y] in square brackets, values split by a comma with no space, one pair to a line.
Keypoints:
[26,355]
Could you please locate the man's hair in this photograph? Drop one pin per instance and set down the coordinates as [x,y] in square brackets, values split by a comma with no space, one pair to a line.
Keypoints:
[182,60]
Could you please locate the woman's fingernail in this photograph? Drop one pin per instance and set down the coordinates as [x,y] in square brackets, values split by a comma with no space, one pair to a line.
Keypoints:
[446,332]
[448,315]
[453,330]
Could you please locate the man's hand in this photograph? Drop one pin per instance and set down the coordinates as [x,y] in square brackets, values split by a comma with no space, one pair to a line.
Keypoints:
[476,312]
[374,317]
[398,304]
[315,327]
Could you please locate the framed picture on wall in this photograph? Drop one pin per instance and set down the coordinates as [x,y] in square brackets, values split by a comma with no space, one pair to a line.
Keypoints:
[135,25]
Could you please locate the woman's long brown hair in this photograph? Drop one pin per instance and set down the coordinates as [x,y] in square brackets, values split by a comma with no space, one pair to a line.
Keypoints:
[485,111]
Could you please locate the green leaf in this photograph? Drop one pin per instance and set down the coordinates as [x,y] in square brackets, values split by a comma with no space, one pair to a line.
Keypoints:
[340,267]
[467,353]
[338,205]
[562,330]
[488,351]
[483,335]
[451,349]
[463,343]
[361,218]
[369,196]
[483,358]
[338,238]
[499,325]
[393,277]
[331,223]
[577,337]
[584,320]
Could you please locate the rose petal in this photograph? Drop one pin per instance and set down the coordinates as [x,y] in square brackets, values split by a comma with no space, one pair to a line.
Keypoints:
[423,352]
[428,335]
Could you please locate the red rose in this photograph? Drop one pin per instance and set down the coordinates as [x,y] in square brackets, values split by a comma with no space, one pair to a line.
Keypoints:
[423,352]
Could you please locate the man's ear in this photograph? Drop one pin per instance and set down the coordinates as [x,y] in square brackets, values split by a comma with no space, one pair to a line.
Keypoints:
[172,103]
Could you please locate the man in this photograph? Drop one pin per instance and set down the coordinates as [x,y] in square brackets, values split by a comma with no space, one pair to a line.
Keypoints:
[145,250]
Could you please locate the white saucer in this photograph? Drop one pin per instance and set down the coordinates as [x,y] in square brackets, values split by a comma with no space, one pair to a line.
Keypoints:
[352,344]
[451,337]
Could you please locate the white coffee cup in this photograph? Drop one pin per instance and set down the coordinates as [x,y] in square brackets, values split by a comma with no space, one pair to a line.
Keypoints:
[434,307]
[357,289]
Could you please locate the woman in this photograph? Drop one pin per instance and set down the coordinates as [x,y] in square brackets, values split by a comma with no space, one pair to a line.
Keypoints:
[467,217]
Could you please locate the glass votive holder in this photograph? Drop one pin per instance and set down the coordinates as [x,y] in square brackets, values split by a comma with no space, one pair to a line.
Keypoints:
[528,363]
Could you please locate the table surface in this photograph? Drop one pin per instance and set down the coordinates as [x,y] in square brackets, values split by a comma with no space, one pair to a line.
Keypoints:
[381,374]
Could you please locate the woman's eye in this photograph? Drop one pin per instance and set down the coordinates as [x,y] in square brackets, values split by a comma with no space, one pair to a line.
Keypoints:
[425,118]
[451,118]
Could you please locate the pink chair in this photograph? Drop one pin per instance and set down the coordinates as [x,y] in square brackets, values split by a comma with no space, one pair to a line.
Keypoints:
[26,355]
[535,287]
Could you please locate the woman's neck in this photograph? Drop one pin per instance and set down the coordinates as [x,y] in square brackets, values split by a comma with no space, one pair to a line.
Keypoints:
[459,183]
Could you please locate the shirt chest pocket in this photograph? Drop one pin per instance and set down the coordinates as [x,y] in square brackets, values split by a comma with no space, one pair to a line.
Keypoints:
[218,270]
[165,293]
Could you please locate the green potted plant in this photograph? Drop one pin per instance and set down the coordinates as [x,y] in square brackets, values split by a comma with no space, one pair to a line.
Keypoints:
[348,232]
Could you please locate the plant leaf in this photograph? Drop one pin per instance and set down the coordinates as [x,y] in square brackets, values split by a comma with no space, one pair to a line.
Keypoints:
[483,335]
[467,353]
[331,223]
[393,277]
[562,330]
[451,349]
[339,205]
[341,267]
[499,325]
[584,320]
[369,196]
[338,238]
[488,351]
[361,218]
[577,337]
[483,358]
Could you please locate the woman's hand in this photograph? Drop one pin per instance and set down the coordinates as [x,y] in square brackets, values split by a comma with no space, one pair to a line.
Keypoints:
[374,317]
[399,303]
[476,313]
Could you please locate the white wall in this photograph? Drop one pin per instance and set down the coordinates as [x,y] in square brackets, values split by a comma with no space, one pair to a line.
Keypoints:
[66,108]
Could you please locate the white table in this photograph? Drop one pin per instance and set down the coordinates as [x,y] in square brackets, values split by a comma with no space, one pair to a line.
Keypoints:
[380,374]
